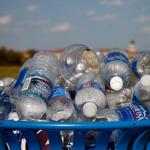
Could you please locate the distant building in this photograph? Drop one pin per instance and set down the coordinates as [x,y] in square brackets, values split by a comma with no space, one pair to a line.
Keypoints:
[131,51]
[131,46]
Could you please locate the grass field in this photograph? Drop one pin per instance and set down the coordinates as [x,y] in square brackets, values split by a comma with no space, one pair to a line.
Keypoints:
[9,71]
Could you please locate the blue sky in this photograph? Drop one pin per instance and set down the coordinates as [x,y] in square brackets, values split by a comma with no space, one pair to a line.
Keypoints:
[50,25]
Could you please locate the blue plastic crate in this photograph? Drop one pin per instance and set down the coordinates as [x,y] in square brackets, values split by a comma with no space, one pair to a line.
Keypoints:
[52,128]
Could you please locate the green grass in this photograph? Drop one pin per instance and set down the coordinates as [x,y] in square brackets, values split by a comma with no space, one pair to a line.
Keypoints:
[9,71]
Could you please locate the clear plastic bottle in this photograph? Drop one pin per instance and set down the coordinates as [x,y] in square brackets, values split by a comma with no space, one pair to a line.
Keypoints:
[60,81]
[16,90]
[116,72]
[140,65]
[7,81]
[6,102]
[119,98]
[77,60]
[141,91]
[90,96]
[134,112]
[36,90]
[60,107]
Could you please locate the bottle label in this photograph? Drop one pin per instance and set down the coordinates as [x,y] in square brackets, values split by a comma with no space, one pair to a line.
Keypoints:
[117,56]
[37,84]
[59,92]
[91,84]
[21,78]
[136,99]
[134,65]
[134,112]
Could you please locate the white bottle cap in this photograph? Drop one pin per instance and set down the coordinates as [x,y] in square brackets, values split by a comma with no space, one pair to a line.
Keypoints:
[116,83]
[89,109]
[145,81]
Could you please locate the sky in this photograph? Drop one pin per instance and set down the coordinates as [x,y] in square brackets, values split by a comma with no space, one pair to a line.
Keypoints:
[52,25]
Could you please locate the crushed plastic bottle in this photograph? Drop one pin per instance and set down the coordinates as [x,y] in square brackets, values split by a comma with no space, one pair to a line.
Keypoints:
[119,98]
[140,65]
[116,72]
[7,81]
[90,95]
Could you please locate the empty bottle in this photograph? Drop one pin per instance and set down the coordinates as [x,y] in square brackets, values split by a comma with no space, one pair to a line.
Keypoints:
[6,102]
[119,98]
[134,112]
[36,90]
[7,81]
[140,65]
[77,60]
[90,96]
[141,91]
[61,82]
[16,90]
[116,72]
[60,107]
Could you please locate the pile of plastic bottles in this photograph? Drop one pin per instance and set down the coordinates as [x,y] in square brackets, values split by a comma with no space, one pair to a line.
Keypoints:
[84,85]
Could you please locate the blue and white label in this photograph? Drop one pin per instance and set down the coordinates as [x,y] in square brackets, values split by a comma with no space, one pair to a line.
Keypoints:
[38,85]
[117,56]
[21,78]
[91,84]
[134,65]
[134,112]
[60,92]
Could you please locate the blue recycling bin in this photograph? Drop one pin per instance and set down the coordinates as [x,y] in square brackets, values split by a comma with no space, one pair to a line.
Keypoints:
[29,129]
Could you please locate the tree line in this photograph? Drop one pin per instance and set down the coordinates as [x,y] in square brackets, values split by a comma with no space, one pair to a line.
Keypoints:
[12,57]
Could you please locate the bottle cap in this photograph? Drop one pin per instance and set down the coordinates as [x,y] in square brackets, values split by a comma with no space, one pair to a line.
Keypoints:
[145,81]
[116,83]
[80,67]
[89,109]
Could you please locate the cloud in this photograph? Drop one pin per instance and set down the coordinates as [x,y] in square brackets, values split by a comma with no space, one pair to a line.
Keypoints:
[91,12]
[146,30]
[143,19]
[111,3]
[5,20]
[32,8]
[64,27]
[105,17]
[12,31]
[41,22]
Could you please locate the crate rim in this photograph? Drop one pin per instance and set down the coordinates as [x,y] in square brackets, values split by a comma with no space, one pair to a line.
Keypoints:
[74,125]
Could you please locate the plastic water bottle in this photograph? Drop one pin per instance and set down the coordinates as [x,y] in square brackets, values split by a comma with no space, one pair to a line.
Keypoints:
[6,102]
[134,112]
[61,82]
[119,98]
[140,65]
[60,107]
[7,81]
[90,96]
[141,90]
[16,90]
[116,72]
[77,60]
[36,90]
